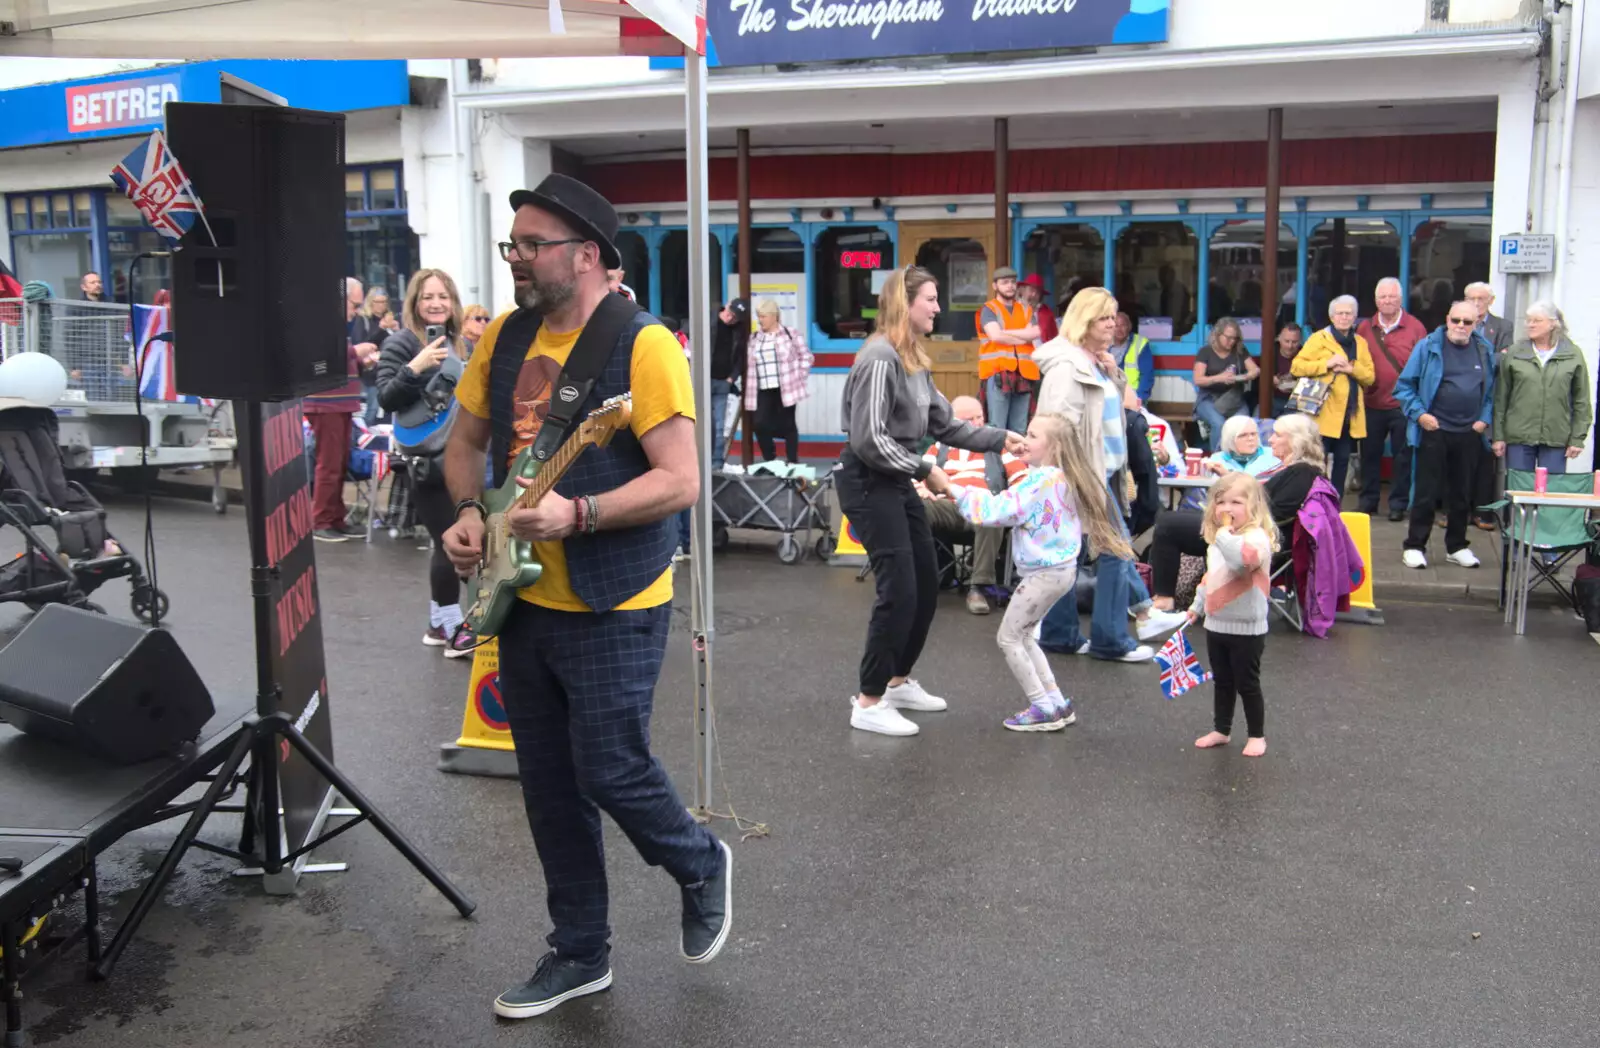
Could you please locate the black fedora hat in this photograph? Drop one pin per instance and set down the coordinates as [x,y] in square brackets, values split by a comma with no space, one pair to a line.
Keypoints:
[588,213]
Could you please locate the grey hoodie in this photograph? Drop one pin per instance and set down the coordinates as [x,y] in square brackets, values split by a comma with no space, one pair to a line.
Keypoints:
[889,413]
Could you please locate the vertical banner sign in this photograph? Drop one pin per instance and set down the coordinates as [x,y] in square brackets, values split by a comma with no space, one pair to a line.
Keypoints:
[297,657]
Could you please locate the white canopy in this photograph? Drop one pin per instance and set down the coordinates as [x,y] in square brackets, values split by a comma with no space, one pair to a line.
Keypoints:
[199,29]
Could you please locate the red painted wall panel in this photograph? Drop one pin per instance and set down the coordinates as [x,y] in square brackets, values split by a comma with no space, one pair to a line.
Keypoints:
[1200,165]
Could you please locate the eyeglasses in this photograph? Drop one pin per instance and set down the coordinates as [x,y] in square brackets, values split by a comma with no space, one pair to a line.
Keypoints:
[482,317]
[1464,321]
[528,250]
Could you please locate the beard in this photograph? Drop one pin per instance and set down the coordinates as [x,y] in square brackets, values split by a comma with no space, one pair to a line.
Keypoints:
[547,296]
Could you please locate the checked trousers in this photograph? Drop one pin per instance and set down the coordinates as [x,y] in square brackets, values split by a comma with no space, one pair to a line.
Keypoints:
[578,689]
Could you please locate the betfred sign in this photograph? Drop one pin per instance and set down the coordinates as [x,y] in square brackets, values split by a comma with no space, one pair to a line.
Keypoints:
[119,103]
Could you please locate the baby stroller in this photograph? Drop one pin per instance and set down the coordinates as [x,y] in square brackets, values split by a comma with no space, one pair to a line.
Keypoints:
[35,494]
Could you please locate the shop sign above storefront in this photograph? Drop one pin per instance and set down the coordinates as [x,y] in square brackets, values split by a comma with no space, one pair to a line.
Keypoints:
[769,32]
[133,103]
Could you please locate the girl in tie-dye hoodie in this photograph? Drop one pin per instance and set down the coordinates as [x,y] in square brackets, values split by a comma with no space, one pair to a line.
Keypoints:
[1048,522]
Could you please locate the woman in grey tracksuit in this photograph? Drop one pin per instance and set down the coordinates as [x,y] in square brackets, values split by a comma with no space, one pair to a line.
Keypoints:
[890,408]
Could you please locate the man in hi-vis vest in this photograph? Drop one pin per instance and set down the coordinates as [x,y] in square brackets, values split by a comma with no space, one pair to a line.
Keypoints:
[1006,369]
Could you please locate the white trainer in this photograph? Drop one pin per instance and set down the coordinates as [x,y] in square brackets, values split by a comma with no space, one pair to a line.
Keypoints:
[912,696]
[1159,622]
[881,718]
[1143,653]
[1414,558]
[1463,558]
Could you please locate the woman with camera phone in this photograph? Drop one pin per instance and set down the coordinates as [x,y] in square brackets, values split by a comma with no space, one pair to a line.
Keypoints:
[417,372]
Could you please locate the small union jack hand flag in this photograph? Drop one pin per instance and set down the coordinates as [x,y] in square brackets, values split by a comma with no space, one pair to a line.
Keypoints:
[1180,666]
[152,179]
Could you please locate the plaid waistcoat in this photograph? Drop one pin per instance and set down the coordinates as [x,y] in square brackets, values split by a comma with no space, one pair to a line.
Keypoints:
[611,566]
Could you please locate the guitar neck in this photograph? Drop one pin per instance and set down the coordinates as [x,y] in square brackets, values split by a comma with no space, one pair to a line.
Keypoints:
[552,472]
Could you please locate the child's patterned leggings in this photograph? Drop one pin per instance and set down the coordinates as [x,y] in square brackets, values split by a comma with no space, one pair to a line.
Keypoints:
[1034,596]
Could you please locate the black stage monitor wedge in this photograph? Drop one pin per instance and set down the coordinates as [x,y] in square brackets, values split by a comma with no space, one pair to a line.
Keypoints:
[122,692]
[271,180]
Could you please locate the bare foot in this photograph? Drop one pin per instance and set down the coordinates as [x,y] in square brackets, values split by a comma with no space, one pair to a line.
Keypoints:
[1256,747]
[1211,740]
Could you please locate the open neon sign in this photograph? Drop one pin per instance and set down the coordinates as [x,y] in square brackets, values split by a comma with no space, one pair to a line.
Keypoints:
[861,259]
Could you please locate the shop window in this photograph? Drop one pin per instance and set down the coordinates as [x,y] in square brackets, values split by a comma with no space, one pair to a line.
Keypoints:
[675,274]
[851,261]
[83,209]
[19,214]
[155,274]
[121,212]
[355,190]
[636,269]
[382,251]
[61,210]
[774,251]
[58,259]
[1067,257]
[1157,267]
[1447,254]
[1236,277]
[1348,256]
[41,211]
[384,183]
[961,266]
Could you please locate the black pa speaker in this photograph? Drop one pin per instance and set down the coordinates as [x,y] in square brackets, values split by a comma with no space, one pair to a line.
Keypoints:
[119,691]
[271,181]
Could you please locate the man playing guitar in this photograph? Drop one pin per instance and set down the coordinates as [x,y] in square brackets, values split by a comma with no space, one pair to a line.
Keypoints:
[582,649]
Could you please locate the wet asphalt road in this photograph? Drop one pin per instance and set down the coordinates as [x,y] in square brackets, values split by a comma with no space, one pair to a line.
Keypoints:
[1105,886]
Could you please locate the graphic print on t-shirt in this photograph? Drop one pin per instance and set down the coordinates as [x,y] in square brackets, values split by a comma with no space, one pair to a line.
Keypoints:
[530,403]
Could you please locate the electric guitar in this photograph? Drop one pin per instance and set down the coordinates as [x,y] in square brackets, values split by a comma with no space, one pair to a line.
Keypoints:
[509,563]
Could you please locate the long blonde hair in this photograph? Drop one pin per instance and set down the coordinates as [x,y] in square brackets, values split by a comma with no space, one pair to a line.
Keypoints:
[1086,307]
[1066,452]
[413,319]
[1256,505]
[894,316]
[366,303]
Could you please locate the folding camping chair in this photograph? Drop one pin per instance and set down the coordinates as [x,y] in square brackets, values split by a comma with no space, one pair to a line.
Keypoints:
[1559,534]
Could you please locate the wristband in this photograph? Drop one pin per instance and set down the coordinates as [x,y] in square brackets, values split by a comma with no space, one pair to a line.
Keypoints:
[593,516]
[580,508]
[483,511]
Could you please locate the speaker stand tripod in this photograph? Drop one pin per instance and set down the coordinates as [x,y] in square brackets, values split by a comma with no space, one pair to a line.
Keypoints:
[259,739]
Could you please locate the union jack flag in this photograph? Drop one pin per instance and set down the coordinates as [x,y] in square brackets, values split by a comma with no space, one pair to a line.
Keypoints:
[152,179]
[1180,666]
[376,440]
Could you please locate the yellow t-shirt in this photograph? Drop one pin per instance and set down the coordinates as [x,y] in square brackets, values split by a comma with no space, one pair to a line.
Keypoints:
[659,379]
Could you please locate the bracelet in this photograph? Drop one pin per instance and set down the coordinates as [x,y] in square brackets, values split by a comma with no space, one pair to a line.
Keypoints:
[483,511]
[580,508]
[593,516]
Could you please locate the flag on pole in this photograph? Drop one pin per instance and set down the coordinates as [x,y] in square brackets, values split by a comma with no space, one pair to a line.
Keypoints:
[152,179]
[157,379]
[1180,666]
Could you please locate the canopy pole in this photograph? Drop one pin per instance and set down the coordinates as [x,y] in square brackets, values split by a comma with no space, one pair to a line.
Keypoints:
[746,250]
[1269,264]
[1002,193]
[700,339]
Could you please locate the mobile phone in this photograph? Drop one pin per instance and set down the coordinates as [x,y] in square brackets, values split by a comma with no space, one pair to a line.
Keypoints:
[432,333]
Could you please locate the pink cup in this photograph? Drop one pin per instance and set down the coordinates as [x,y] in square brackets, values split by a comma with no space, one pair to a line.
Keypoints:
[1541,480]
[1192,459]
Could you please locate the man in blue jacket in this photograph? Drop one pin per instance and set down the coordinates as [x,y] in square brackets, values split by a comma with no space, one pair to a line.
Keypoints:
[1447,393]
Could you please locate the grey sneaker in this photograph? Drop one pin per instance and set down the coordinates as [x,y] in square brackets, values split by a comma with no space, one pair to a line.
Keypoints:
[555,981]
[977,603]
[708,912]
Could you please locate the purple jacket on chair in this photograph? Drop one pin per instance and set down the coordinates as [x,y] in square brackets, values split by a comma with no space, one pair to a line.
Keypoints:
[1328,566]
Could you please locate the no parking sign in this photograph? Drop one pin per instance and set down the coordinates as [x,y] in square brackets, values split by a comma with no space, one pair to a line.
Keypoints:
[484,747]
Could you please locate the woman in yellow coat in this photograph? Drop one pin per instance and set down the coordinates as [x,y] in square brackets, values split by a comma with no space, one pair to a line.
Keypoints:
[1343,361]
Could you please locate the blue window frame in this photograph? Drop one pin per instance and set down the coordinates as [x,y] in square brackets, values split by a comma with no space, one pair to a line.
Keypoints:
[380,247]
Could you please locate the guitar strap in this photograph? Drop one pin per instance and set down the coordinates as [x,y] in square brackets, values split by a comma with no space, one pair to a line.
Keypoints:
[596,342]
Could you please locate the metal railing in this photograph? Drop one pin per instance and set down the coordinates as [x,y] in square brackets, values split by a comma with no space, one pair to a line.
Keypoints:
[92,340]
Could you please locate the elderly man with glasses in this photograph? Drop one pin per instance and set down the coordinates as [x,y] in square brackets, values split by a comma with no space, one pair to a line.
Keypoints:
[1447,393]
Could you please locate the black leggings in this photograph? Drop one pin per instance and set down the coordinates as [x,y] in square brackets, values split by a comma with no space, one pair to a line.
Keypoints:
[1236,665]
[888,518]
[1176,533]
[773,420]
[437,512]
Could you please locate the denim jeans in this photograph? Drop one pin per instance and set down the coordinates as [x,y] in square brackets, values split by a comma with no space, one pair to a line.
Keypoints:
[721,390]
[1006,410]
[1205,410]
[1527,456]
[1117,589]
